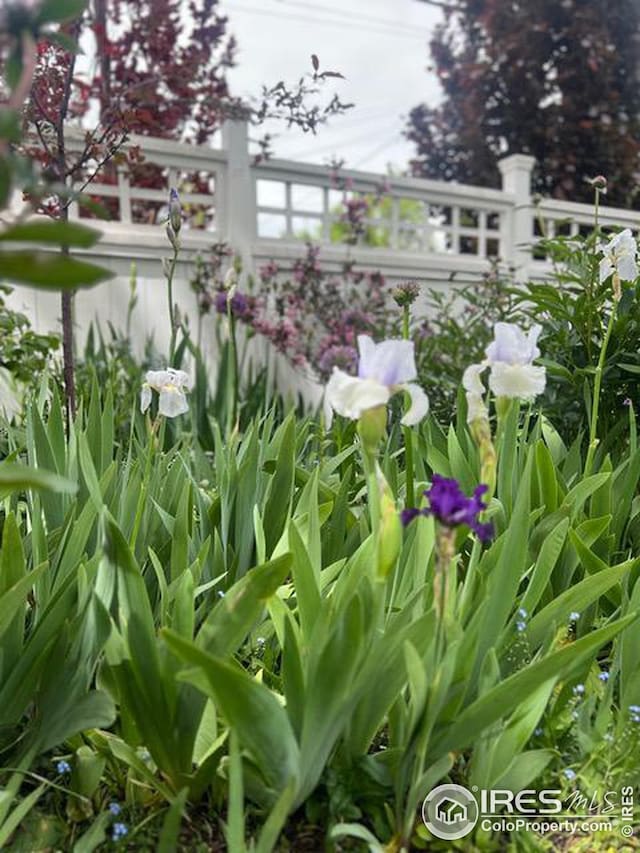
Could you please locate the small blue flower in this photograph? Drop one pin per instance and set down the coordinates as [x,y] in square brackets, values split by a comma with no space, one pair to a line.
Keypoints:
[220,593]
[578,690]
[634,709]
[63,767]
[604,676]
[119,831]
[522,613]
[574,616]
[569,773]
[521,626]
[539,731]
[115,809]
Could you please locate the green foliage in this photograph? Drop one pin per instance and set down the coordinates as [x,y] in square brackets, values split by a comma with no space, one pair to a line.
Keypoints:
[452,328]
[23,352]
[31,265]
[221,635]
[574,309]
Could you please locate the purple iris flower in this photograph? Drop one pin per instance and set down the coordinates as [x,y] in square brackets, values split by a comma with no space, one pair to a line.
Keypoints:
[451,507]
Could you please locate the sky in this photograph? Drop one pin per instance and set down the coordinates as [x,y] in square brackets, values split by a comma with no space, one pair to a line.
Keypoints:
[381,47]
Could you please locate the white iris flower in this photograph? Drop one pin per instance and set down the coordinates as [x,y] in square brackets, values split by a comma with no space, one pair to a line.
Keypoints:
[620,255]
[384,369]
[510,356]
[171,385]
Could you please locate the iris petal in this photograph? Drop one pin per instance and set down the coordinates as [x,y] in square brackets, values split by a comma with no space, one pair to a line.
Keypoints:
[350,396]
[172,402]
[389,362]
[517,380]
[419,404]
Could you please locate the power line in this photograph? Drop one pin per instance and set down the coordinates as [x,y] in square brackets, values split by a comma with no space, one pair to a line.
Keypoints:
[360,116]
[329,148]
[334,10]
[397,136]
[252,10]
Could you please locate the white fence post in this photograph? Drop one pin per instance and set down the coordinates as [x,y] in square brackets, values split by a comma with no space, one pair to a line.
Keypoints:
[239,226]
[516,179]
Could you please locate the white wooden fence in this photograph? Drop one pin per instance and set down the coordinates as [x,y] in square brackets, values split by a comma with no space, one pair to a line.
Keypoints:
[430,231]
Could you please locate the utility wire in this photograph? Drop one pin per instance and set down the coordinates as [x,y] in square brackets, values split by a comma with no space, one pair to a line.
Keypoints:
[308,19]
[397,136]
[343,13]
[329,148]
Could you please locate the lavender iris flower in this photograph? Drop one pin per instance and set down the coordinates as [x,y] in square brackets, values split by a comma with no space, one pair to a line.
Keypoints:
[384,369]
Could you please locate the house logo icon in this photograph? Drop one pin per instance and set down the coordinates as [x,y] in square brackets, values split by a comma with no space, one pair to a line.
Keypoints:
[450,812]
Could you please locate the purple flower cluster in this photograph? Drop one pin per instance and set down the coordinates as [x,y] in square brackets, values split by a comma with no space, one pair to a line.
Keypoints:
[354,217]
[307,270]
[267,272]
[344,357]
[309,314]
[240,305]
[451,507]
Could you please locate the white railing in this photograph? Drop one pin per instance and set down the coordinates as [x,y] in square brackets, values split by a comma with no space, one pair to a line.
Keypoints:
[296,201]
[136,210]
[432,231]
[270,208]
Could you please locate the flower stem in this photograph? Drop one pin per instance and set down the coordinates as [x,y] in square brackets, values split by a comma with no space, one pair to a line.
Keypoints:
[144,488]
[410,497]
[595,403]
[406,317]
[172,319]
[445,551]
[591,280]
[232,391]
[373,493]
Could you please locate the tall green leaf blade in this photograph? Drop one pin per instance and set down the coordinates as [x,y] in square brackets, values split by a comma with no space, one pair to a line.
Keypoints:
[250,708]
[502,699]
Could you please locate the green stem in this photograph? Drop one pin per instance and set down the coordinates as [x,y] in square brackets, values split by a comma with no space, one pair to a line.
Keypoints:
[596,234]
[406,317]
[445,552]
[144,487]
[172,319]
[595,403]
[410,498]
[131,434]
[373,494]
[232,400]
